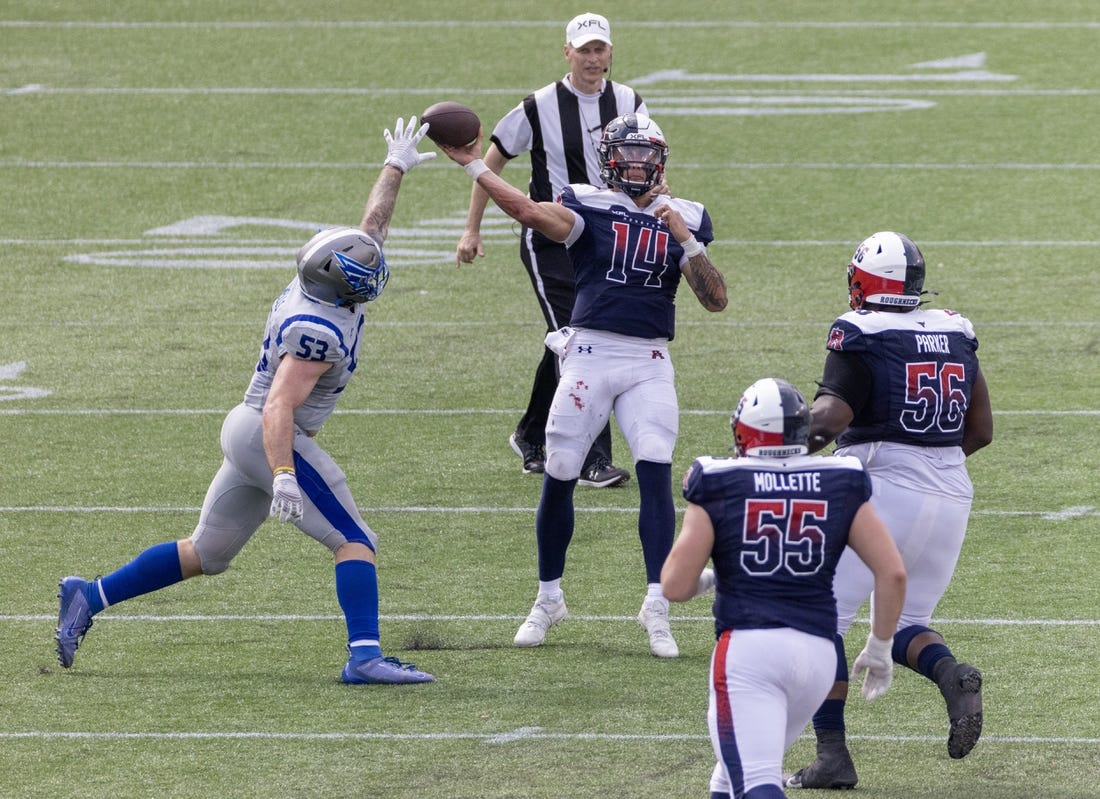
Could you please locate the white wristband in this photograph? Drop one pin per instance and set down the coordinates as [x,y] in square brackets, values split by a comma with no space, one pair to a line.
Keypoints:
[476,168]
[692,247]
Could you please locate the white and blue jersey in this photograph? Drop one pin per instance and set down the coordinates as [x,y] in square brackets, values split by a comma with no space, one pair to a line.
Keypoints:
[634,294]
[239,497]
[313,331]
[780,526]
[917,371]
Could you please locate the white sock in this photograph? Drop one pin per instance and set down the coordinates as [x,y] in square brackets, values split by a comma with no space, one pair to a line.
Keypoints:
[550,589]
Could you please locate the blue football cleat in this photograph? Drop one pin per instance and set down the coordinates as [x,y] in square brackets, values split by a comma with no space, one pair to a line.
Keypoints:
[73,620]
[380,670]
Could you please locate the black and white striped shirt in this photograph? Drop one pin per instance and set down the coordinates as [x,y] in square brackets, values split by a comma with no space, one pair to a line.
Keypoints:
[561,128]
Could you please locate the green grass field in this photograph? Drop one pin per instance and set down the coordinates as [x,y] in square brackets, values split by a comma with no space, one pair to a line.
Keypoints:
[162,162]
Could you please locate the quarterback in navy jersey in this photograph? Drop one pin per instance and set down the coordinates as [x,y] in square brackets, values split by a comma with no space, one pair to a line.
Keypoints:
[902,391]
[272,464]
[559,126]
[630,245]
[775,521]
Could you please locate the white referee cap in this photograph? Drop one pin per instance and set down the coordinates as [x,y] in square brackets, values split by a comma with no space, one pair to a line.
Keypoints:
[585,28]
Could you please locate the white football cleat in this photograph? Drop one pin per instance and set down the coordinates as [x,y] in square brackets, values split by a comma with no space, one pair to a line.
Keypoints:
[544,615]
[654,618]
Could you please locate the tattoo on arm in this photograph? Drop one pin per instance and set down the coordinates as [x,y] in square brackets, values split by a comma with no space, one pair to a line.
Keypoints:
[706,281]
[380,204]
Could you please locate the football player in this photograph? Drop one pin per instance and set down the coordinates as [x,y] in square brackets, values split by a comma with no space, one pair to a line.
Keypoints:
[902,392]
[775,521]
[272,464]
[630,245]
[560,126]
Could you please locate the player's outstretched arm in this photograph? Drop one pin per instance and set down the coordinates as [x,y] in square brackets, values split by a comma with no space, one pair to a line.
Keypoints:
[401,156]
[550,219]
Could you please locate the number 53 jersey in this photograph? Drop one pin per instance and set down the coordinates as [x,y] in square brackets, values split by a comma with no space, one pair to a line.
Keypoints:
[312,331]
[780,526]
[912,378]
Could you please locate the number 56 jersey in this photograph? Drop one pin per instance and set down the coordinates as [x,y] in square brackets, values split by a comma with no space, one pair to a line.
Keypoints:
[918,370]
[780,526]
[312,331]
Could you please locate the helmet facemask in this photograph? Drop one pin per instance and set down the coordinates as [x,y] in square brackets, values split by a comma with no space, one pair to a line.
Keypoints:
[632,154]
[626,161]
[342,267]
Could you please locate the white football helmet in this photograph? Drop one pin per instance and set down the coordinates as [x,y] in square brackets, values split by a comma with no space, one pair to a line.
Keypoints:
[342,266]
[887,272]
[771,420]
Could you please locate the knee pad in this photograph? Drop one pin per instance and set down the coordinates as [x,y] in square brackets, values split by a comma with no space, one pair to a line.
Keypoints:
[652,439]
[564,456]
[214,548]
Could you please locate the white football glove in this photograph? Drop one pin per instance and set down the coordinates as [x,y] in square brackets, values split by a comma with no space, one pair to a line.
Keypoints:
[401,146]
[875,659]
[286,502]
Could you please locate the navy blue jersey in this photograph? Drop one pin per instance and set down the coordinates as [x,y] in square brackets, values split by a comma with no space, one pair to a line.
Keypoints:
[918,371]
[780,527]
[626,262]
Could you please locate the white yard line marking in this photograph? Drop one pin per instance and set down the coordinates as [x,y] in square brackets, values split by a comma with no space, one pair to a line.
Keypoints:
[110,616]
[1077,512]
[522,734]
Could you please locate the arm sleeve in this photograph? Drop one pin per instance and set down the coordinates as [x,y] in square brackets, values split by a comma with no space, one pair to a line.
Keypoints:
[846,376]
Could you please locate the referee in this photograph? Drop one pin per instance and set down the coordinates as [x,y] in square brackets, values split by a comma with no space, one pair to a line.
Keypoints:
[560,125]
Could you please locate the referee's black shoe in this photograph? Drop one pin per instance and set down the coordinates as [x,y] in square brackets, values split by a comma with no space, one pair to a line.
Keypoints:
[602,474]
[534,455]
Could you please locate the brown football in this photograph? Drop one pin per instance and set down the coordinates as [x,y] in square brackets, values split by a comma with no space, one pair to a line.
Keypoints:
[451,123]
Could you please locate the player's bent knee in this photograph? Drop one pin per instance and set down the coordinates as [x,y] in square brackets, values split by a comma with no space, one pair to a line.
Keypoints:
[564,465]
[212,559]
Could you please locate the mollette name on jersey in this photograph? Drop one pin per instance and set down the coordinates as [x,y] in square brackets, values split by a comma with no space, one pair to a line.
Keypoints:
[782,481]
[933,342]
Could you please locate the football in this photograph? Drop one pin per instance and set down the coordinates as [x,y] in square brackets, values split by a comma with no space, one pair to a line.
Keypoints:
[451,123]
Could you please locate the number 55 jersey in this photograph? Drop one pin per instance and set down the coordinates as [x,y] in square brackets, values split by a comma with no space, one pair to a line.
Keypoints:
[780,527]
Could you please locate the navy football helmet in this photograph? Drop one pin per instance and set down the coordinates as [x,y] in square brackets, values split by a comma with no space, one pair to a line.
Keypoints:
[342,266]
[771,420]
[632,142]
[886,273]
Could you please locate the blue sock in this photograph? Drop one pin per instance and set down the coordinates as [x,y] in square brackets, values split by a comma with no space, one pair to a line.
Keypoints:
[830,716]
[357,593]
[155,568]
[656,515]
[768,791]
[930,656]
[554,526]
[927,658]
